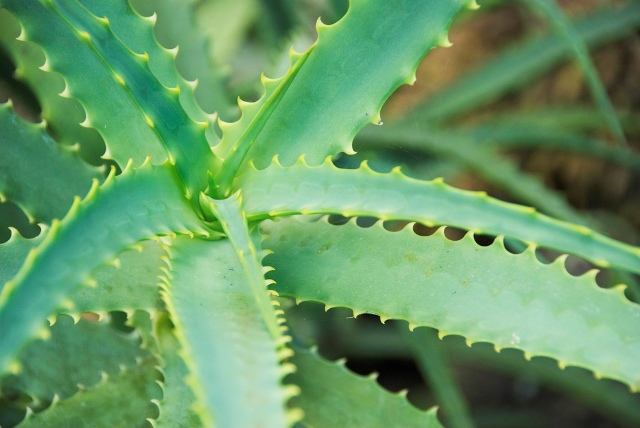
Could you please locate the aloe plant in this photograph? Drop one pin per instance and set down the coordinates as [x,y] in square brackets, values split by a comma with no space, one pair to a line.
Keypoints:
[200,239]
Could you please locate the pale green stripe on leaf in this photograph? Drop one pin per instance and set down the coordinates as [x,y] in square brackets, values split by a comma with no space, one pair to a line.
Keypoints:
[325,189]
[121,400]
[89,80]
[353,67]
[28,155]
[76,354]
[481,293]
[232,359]
[556,16]
[233,220]
[137,34]
[523,63]
[138,204]
[332,396]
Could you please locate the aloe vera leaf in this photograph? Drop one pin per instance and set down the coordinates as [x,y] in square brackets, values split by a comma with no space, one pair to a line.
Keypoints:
[432,362]
[176,407]
[121,400]
[14,252]
[69,34]
[483,161]
[233,220]
[610,399]
[127,283]
[334,396]
[550,10]
[350,68]
[232,359]
[137,33]
[106,102]
[83,351]
[519,65]
[28,154]
[177,26]
[62,115]
[481,293]
[325,189]
[151,202]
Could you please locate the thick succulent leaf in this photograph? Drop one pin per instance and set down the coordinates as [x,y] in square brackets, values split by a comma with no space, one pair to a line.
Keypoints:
[483,161]
[177,25]
[557,18]
[325,189]
[128,283]
[234,223]
[137,34]
[176,407]
[139,204]
[353,67]
[14,252]
[332,396]
[521,64]
[121,400]
[116,85]
[481,293]
[76,354]
[225,341]
[62,115]
[28,155]
[107,102]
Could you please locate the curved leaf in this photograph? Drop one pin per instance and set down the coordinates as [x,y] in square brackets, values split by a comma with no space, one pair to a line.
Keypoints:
[232,359]
[139,204]
[28,154]
[481,293]
[325,189]
[353,78]
[333,396]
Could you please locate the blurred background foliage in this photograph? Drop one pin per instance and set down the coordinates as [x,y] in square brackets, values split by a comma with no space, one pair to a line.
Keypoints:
[515,107]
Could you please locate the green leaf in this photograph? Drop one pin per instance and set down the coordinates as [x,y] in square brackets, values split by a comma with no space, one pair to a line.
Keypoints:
[115,81]
[325,189]
[14,252]
[130,282]
[28,154]
[122,400]
[106,101]
[232,359]
[461,148]
[76,354]
[481,293]
[551,10]
[138,204]
[62,115]
[333,396]
[176,406]
[353,78]
[523,63]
